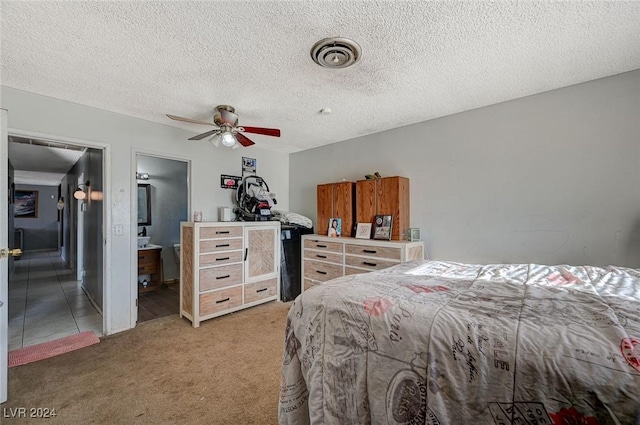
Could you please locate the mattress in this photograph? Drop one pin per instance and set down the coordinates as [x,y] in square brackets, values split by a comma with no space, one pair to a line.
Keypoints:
[448,343]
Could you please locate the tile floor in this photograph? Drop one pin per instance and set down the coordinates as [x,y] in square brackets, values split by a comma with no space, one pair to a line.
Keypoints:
[46,302]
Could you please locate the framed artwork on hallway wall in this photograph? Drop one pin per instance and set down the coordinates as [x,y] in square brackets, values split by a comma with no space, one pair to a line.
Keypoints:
[25,204]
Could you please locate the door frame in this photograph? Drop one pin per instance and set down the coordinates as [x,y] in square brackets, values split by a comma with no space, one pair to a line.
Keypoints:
[4,262]
[134,217]
[106,208]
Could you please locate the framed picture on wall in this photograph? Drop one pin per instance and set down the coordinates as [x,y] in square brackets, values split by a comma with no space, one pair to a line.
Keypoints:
[382,227]
[25,204]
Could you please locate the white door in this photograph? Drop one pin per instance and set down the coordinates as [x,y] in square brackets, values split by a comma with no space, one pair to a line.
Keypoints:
[4,262]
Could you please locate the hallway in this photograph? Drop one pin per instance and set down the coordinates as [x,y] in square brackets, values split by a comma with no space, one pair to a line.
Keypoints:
[46,302]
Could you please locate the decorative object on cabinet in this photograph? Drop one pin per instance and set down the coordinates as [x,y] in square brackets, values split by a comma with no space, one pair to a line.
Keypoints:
[382,226]
[384,196]
[413,234]
[336,200]
[363,231]
[326,258]
[150,264]
[335,227]
[227,267]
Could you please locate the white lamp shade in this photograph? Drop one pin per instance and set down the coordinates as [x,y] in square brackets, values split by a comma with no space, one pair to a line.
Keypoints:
[228,139]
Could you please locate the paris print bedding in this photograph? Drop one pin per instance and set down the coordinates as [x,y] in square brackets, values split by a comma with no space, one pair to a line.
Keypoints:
[452,344]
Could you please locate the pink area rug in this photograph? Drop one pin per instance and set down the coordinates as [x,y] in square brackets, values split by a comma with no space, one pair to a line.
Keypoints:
[52,348]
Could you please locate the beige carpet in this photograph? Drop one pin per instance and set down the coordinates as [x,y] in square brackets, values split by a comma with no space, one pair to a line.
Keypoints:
[163,372]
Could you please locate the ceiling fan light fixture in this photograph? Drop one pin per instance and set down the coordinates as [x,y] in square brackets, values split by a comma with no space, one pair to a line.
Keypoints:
[215,140]
[228,139]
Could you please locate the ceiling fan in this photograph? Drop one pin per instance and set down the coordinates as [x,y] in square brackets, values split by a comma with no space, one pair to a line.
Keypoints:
[227,130]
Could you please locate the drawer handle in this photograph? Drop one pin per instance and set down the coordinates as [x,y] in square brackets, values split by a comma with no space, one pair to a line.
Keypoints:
[321,256]
[246,252]
[321,272]
[222,232]
[222,245]
[222,301]
[369,251]
[366,263]
[321,246]
[223,277]
[222,259]
[262,290]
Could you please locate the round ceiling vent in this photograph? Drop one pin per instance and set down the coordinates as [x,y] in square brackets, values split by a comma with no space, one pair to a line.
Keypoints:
[336,52]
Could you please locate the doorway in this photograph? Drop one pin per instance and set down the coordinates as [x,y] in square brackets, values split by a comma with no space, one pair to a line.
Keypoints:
[162,203]
[47,298]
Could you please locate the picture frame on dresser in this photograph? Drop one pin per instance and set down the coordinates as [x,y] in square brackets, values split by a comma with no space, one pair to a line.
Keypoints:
[382,225]
[363,231]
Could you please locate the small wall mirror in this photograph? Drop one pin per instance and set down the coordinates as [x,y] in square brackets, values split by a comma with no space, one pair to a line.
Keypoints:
[144,204]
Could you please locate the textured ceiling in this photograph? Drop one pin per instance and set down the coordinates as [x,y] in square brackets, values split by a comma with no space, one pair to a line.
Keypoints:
[40,162]
[420,60]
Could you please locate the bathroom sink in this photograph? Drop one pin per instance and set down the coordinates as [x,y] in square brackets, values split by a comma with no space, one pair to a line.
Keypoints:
[143,241]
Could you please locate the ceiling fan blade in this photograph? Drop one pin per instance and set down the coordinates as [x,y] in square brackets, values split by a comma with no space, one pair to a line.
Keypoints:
[259,130]
[203,135]
[177,118]
[244,140]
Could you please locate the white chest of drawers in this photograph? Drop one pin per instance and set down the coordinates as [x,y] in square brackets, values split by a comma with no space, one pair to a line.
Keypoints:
[325,258]
[225,267]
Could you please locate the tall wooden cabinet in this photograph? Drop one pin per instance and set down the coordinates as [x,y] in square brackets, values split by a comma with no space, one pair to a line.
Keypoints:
[225,267]
[336,200]
[384,196]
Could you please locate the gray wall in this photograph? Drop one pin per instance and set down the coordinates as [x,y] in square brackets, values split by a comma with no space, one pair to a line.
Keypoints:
[41,232]
[169,206]
[552,178]
[92,229]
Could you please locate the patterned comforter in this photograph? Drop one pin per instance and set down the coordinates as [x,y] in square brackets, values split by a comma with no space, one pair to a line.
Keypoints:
[448,343]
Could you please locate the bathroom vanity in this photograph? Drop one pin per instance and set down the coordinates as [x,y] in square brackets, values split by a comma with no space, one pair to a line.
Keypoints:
[150,268]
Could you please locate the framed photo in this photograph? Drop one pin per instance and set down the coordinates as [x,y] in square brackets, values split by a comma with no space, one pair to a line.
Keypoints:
[382,227]
[363,231]
[335,227]
[25,204]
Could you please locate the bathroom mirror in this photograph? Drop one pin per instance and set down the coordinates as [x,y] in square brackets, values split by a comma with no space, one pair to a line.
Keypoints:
[144,204]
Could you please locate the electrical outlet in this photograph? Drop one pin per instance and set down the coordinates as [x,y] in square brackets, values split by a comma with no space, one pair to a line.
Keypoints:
[118,230]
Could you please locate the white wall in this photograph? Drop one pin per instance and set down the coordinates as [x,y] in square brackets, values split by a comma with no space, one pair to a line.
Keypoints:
[550,178]
[123,135]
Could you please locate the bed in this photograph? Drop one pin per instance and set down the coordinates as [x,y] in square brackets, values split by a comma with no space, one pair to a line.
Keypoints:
[447,343]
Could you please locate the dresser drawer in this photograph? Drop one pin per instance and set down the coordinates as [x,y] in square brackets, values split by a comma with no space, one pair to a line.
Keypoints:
[322,245]
[148,256]
[308,284]
[374,251]
[352,270]
[220,232]
[216,259]
[321,271]
[219,277]
[148,268]
[369,263]
[217,301]
[260,290]
[220,245]
[330,257]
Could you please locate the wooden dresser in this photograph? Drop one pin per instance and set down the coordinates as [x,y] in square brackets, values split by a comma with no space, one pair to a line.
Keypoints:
[227,266]
[326,258]
[150,264]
